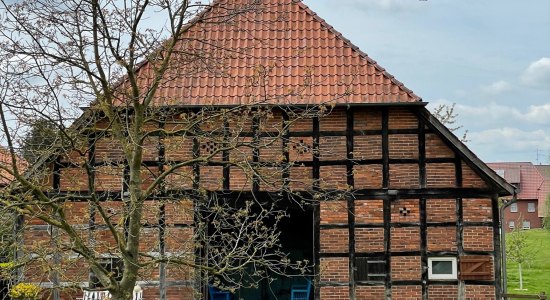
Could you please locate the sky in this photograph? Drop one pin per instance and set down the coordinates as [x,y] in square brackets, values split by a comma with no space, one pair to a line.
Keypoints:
[490,57]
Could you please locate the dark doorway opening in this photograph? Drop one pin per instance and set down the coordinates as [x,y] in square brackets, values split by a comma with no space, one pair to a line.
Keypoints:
[297,239]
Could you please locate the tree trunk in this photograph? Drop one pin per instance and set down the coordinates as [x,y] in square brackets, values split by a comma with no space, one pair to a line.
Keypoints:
[520,277]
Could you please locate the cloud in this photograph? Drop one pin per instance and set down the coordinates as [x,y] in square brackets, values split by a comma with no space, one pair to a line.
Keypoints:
[539,114]
[537,74]
[499,132]
[508,143]
[497,88]
[494,114]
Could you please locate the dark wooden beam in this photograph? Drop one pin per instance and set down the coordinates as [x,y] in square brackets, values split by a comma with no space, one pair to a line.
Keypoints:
[317,211]
[225,157]
[423,248]
[350,201]
[385,150]
[255,148]
[162,212]
[496,246]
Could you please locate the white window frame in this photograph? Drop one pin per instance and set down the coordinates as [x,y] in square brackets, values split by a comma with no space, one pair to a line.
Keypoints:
[531,207]
[451,276]
[511,224]
[528,223]
[514,207]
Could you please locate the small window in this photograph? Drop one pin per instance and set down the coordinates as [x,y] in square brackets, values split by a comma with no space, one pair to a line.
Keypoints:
[511,224]
[370,269]
[442,268]
[531,207]
[514,207]
[526,225]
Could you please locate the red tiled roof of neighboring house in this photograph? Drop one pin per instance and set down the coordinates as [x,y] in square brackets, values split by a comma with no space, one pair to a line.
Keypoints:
[5,160]
[544,192]
[279,52]
[531,181]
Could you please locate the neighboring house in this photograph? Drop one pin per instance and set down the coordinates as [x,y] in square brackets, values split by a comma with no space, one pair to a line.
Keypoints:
[6,229]
[544,192]
[5,160]
[423,219]
[531,183]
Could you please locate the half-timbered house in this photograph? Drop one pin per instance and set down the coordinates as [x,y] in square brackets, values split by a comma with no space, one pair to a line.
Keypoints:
[418,213]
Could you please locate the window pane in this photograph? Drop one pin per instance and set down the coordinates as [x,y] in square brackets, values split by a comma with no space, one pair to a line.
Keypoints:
[514,207]
[531,207]
[442,267]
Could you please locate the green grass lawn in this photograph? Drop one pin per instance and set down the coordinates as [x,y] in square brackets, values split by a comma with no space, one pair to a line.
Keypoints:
[536,275]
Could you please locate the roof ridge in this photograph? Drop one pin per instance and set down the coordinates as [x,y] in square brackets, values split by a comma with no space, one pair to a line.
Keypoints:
[354,47]
[375,84]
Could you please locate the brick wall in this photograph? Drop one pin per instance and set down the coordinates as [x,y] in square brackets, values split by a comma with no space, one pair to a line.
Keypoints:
[334,240]
[403,146]
[404,173]
[405,268]
[478,238]
[443,292]
[369,239]
[441,210]
[334,269]
[405,239]
[442,239]
[370,292]
[404,176]
[477,210]
[479,292]
[336,293]
[407,292]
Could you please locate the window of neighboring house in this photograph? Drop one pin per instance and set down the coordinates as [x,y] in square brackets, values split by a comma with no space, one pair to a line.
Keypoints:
[511,224]
[526,225]
[442,268]
[531,207]
[514,207]
[111,264]
[370,269]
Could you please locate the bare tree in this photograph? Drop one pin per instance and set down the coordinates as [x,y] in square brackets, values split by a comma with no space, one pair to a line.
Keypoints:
[446,114]
[104,164]
[518,250]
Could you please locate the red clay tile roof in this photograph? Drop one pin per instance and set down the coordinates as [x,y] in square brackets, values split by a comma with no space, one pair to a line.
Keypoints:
[530,179]
[279,53]
[4,176]
[5,160]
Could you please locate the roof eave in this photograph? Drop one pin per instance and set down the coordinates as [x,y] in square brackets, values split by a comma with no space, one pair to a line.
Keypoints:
[503,187]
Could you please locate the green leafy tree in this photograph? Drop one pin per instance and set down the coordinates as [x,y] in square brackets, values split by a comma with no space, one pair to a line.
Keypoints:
[546,218]
[39,140]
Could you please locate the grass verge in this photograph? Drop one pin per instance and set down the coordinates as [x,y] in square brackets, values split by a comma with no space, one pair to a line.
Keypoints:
[536,274]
